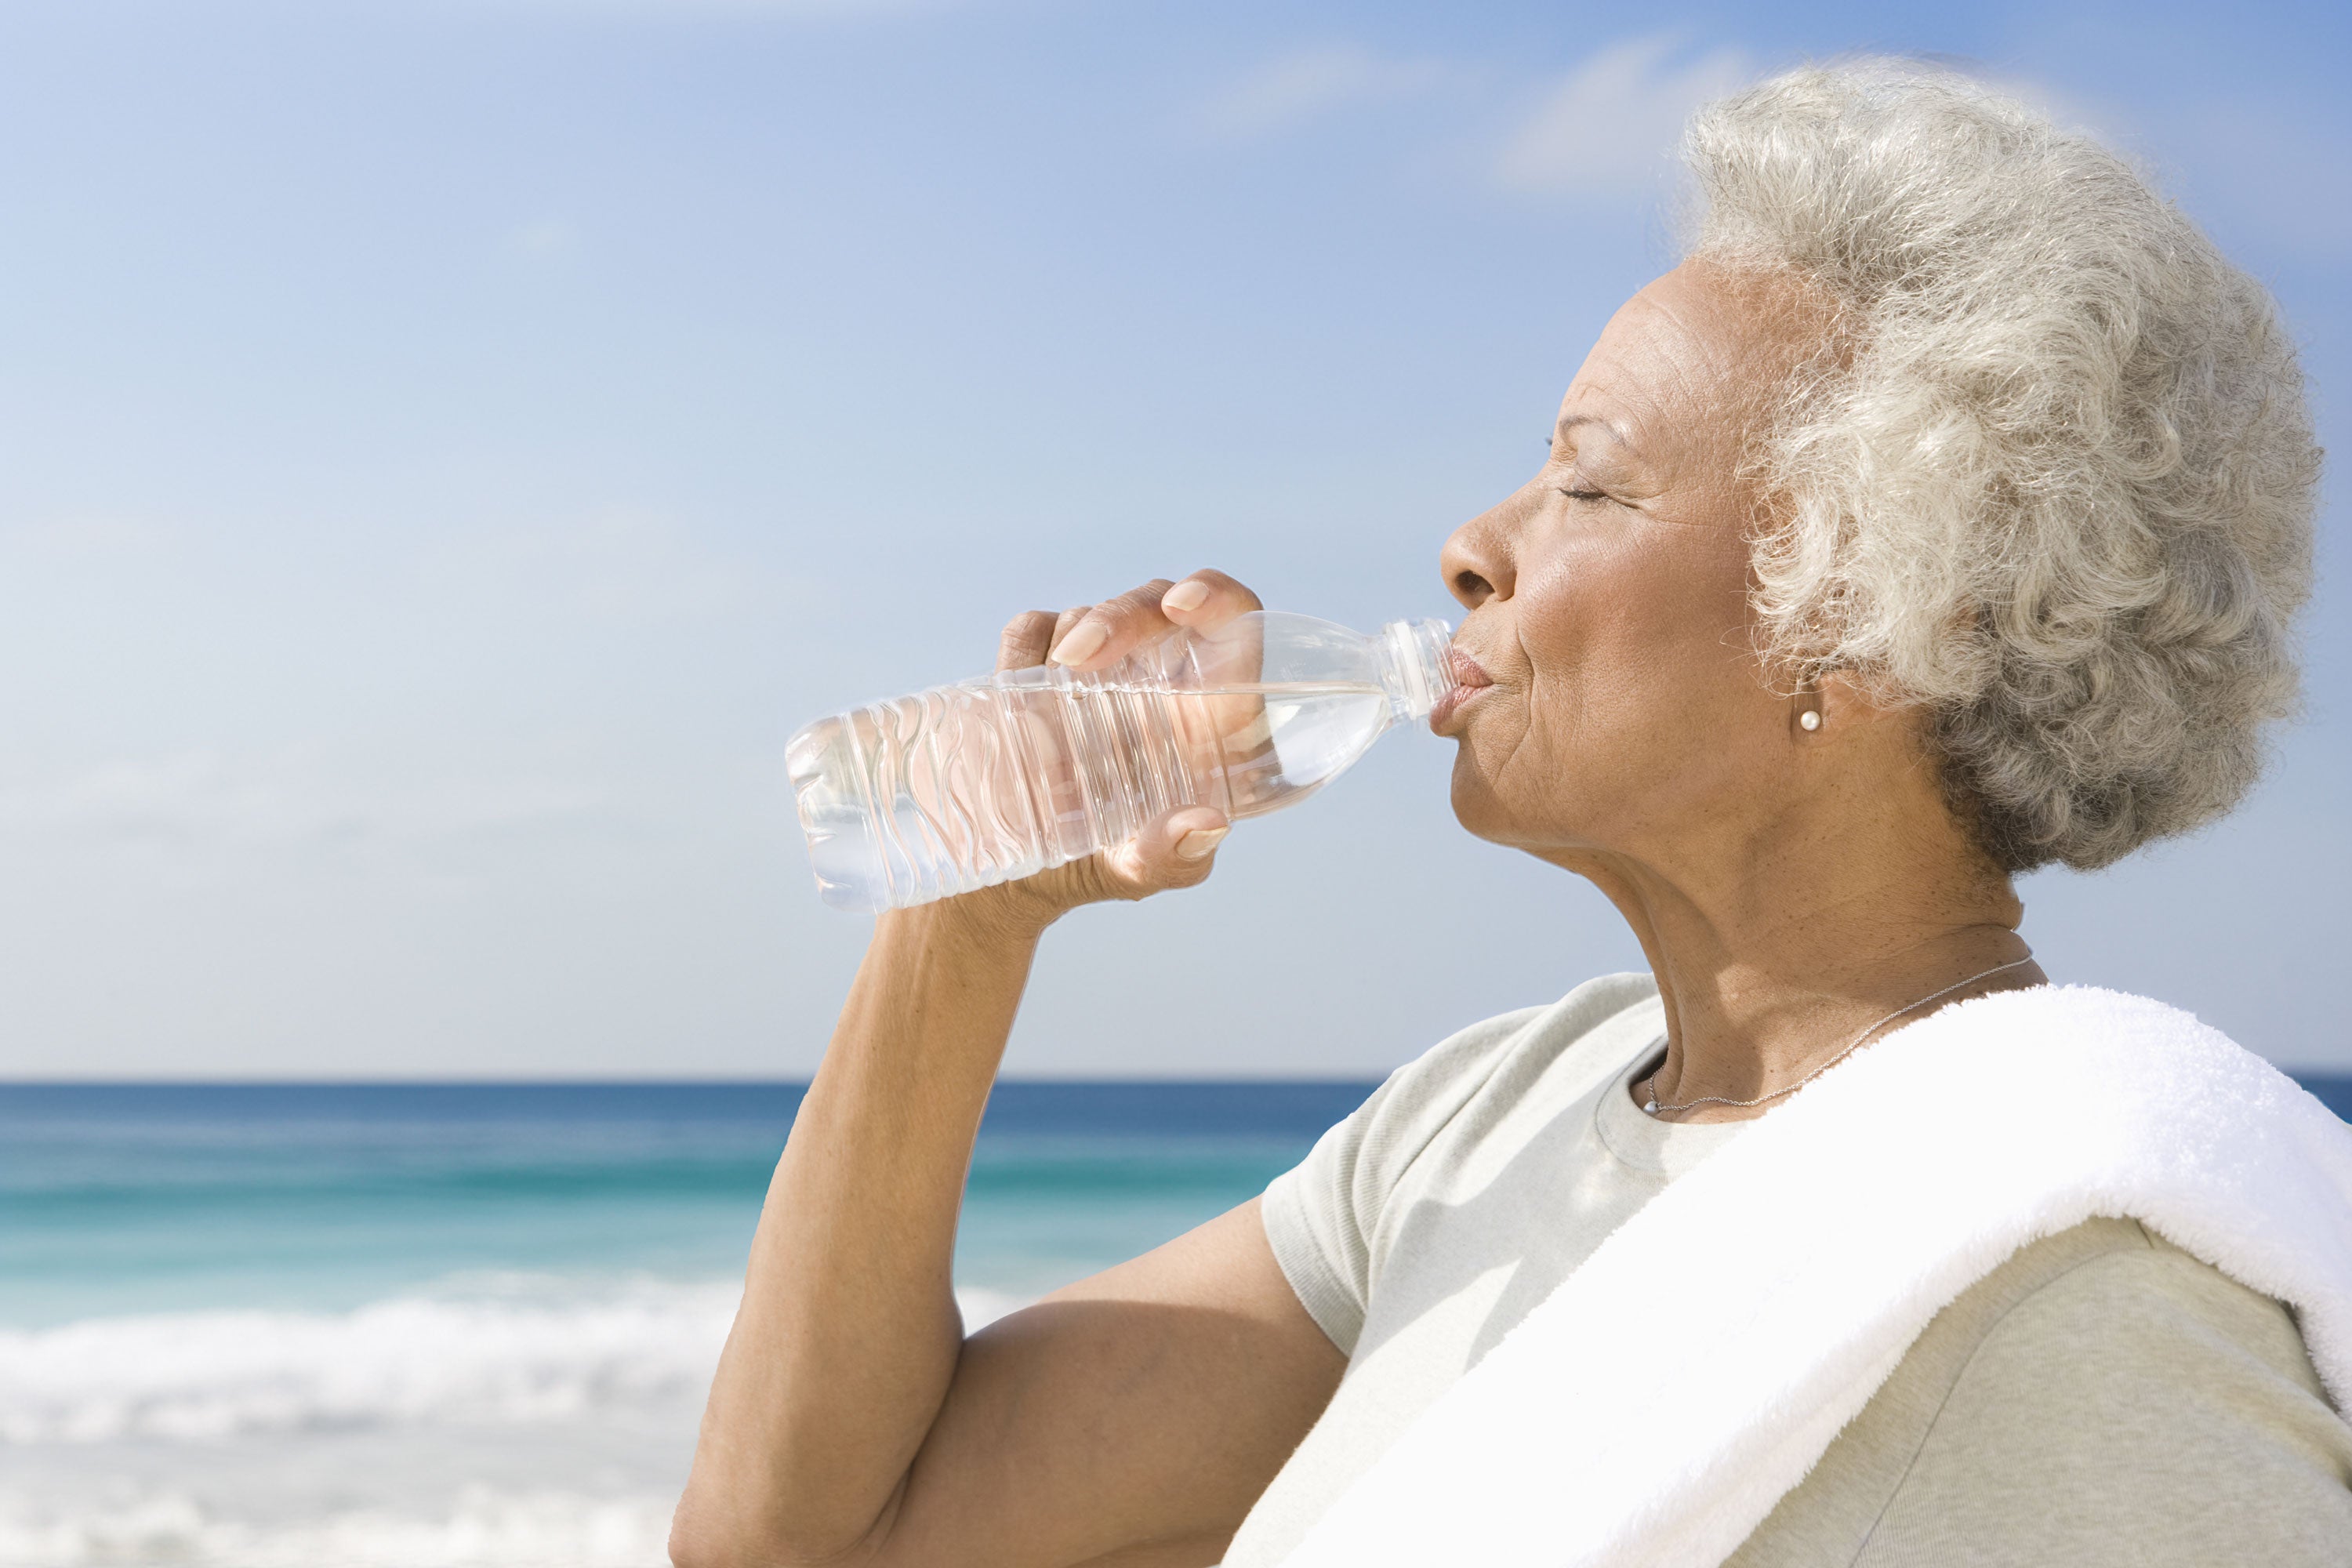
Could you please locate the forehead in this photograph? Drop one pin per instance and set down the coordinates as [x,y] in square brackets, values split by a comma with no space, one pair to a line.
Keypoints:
[1693,357]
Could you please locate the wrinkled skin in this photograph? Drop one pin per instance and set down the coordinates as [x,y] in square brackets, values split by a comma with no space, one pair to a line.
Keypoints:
[1608,595]
[1786,883]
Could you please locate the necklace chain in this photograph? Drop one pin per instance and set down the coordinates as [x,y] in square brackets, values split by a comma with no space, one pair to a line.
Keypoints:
[1655,1109]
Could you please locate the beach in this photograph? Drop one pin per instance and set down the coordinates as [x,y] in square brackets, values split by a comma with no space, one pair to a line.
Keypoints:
[427,1325]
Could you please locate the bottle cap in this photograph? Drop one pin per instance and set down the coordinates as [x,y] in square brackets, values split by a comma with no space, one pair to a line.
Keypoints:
[1416,666]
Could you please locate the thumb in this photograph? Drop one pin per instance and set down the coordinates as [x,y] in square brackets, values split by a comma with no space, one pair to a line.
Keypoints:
[1176,851]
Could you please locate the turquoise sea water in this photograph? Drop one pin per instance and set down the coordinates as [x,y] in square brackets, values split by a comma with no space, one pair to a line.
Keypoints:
[165,1197]
[443,1326]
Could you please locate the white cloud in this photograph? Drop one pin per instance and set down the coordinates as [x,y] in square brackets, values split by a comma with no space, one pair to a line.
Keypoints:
[1607,129]
[1315,83]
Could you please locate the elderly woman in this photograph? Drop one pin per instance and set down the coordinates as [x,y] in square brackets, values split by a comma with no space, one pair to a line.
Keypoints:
[1940,516]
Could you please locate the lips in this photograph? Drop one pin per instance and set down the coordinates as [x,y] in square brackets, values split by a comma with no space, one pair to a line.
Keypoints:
[1469,680]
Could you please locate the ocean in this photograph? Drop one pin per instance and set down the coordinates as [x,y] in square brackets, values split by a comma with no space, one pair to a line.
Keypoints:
[469,1326]
[435,1325]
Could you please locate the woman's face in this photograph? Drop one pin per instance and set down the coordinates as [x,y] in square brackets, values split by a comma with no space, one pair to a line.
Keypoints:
[1608,597]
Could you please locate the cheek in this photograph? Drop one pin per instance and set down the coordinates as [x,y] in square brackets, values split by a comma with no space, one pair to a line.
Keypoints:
[1641,670]
[1604,637]
[1656,624]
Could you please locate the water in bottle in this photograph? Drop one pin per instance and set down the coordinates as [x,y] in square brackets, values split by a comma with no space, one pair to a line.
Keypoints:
[1004,775]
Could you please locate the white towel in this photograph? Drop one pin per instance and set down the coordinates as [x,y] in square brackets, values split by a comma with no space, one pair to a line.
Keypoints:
[1659,1403]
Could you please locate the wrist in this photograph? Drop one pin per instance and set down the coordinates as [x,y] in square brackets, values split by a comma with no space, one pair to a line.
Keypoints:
[1006,918]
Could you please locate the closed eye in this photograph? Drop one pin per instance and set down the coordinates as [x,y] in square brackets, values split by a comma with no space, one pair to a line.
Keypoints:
[1551,446]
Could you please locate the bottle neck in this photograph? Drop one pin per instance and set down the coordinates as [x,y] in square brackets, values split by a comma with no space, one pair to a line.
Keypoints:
[1416,667]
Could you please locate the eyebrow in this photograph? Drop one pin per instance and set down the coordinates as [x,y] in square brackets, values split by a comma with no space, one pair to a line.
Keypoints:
[1570,421]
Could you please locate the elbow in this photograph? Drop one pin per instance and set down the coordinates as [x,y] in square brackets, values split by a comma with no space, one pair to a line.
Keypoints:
[703,1537]
[696,1541]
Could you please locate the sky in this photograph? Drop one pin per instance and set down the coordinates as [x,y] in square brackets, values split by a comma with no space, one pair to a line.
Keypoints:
[447,447]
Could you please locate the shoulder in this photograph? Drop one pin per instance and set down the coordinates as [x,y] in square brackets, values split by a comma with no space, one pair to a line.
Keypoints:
[1323,1216]
[2101,1399]
[1455,1096]
[2111,1316]
[1498,1059]
[2112,1398]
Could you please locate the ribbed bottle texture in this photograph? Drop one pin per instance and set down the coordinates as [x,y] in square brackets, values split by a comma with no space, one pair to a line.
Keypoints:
[1004,775]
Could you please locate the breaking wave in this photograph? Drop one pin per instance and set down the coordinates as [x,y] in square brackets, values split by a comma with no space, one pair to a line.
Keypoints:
[482,1528]
[208,1376]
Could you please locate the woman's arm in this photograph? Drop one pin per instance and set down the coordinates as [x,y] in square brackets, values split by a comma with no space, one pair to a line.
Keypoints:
[1131,1418]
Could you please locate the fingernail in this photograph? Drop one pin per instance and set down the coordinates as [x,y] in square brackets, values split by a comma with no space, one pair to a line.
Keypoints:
[1183,596]
[1085,639]
[1201,843]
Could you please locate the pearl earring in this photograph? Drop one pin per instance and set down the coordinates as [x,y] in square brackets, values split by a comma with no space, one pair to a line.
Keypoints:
[1811,718]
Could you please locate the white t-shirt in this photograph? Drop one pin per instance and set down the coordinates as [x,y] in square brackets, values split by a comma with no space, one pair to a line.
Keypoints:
[2103,1398]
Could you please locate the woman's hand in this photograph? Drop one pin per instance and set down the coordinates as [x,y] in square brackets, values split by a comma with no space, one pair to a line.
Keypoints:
[1177,849]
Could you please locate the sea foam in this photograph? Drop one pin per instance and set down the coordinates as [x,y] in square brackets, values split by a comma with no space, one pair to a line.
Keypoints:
[482,1528]
[207,1376]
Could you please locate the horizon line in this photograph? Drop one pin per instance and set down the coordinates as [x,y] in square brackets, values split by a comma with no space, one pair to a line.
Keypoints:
[2330,1074]
[1135,1080]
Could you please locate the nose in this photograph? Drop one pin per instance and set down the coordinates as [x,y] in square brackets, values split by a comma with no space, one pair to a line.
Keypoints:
[1477,557]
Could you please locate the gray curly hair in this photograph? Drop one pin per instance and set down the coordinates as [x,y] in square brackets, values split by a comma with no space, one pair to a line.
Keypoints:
[2055,482]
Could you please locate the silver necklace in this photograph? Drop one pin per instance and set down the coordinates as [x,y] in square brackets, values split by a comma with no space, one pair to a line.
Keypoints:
[1655,1109]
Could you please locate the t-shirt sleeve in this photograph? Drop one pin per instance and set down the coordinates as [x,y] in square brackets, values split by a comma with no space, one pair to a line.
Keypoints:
[1322,1216]
[2139,1410]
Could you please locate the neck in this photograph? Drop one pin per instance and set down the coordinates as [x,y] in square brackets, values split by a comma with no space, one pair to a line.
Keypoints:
[1768,971]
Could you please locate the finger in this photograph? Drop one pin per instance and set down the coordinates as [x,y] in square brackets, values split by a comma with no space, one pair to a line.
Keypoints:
[1207,599]
[1026,637]
[1209,606]
[1063,625]
[1116,627]
[1177,850]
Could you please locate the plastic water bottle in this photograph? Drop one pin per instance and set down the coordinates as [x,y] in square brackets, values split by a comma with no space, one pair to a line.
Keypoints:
[1004,775]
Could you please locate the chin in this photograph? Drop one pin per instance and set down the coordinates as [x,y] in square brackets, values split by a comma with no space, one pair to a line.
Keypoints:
[1556,827]
[1474,805]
